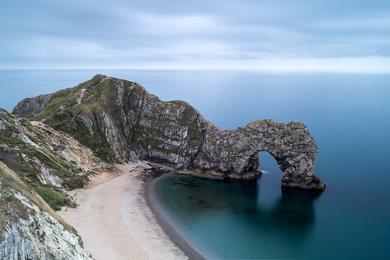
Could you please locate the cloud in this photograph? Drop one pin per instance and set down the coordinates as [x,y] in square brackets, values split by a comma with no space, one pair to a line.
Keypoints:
[175,24]
[46,47]
[362,23]
[229,34]
[195,49]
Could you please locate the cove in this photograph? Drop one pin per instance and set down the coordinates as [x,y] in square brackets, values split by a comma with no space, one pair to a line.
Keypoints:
[232,219]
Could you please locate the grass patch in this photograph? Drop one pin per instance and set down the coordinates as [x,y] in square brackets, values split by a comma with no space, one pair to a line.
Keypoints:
[55,199]
[76,182]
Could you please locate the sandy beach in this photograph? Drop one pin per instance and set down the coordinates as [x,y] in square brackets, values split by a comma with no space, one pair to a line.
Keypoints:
[114,220]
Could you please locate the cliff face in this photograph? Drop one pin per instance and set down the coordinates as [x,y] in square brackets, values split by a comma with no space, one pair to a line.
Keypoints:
[120,120]
[37,166]
[29,229]
[50,161]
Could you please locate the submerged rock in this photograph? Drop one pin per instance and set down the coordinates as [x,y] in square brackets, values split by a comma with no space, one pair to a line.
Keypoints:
[120,120]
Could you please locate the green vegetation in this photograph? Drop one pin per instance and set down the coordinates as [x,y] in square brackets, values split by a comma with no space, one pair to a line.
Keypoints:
[68,123]
[27,161]
[104,107]
[75,181]
[97,98]
[11,208]
[11,183]
[72,180]
[55,199]
[6,137]
[61,98]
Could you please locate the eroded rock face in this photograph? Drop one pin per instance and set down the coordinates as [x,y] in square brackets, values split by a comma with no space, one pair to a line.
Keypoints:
[34,106]
[118,119]
[29,229]
[236,152]
[49,160]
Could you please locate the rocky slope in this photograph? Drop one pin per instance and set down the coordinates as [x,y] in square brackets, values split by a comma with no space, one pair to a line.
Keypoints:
[29,229]
[50,161]
[120,120]
[37,166]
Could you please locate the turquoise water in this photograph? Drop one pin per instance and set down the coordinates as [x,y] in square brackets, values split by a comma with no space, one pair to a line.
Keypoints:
[348,114]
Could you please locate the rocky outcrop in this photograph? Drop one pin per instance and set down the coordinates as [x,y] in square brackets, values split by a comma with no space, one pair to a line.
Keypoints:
[29,229]
[236,152]
[50,161]
[37,166]
[120,120]
[35,106]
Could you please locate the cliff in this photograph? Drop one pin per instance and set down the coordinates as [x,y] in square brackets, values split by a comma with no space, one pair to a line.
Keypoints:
[49,161]
[119,120]
[29,229]
[37,166]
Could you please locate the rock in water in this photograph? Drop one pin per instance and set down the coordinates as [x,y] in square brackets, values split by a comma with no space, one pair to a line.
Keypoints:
[118,119]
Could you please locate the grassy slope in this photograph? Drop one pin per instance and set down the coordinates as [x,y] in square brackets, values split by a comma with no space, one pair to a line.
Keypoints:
[62,110]
[64,113]
[27,161]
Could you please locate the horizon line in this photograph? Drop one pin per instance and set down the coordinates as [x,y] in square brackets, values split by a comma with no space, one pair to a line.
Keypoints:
[368,64]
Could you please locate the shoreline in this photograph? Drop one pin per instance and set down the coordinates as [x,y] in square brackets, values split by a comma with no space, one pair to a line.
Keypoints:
[115,221]
[163,221]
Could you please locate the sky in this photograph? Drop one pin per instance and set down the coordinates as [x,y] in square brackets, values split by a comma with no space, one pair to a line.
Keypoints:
[306,35]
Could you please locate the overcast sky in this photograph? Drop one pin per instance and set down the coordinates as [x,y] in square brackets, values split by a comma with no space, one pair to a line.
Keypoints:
[204,34]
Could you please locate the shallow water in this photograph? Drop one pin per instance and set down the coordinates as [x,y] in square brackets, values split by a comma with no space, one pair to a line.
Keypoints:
[349,116]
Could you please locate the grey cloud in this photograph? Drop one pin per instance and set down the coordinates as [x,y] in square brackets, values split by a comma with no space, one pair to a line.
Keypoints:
[44,32]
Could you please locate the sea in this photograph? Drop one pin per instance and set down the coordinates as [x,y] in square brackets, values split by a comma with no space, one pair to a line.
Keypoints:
[349,117]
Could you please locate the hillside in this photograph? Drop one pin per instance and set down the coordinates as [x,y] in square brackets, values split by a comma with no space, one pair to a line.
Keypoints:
[38,165]
[29,228]
[47,160]
[119,121]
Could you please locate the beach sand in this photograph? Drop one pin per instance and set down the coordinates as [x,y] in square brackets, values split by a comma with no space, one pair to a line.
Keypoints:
[114,220]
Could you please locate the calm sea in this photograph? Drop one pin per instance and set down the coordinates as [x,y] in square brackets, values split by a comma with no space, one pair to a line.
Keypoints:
[348,114]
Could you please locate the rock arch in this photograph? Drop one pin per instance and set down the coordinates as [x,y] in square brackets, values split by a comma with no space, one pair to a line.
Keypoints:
[235,153]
